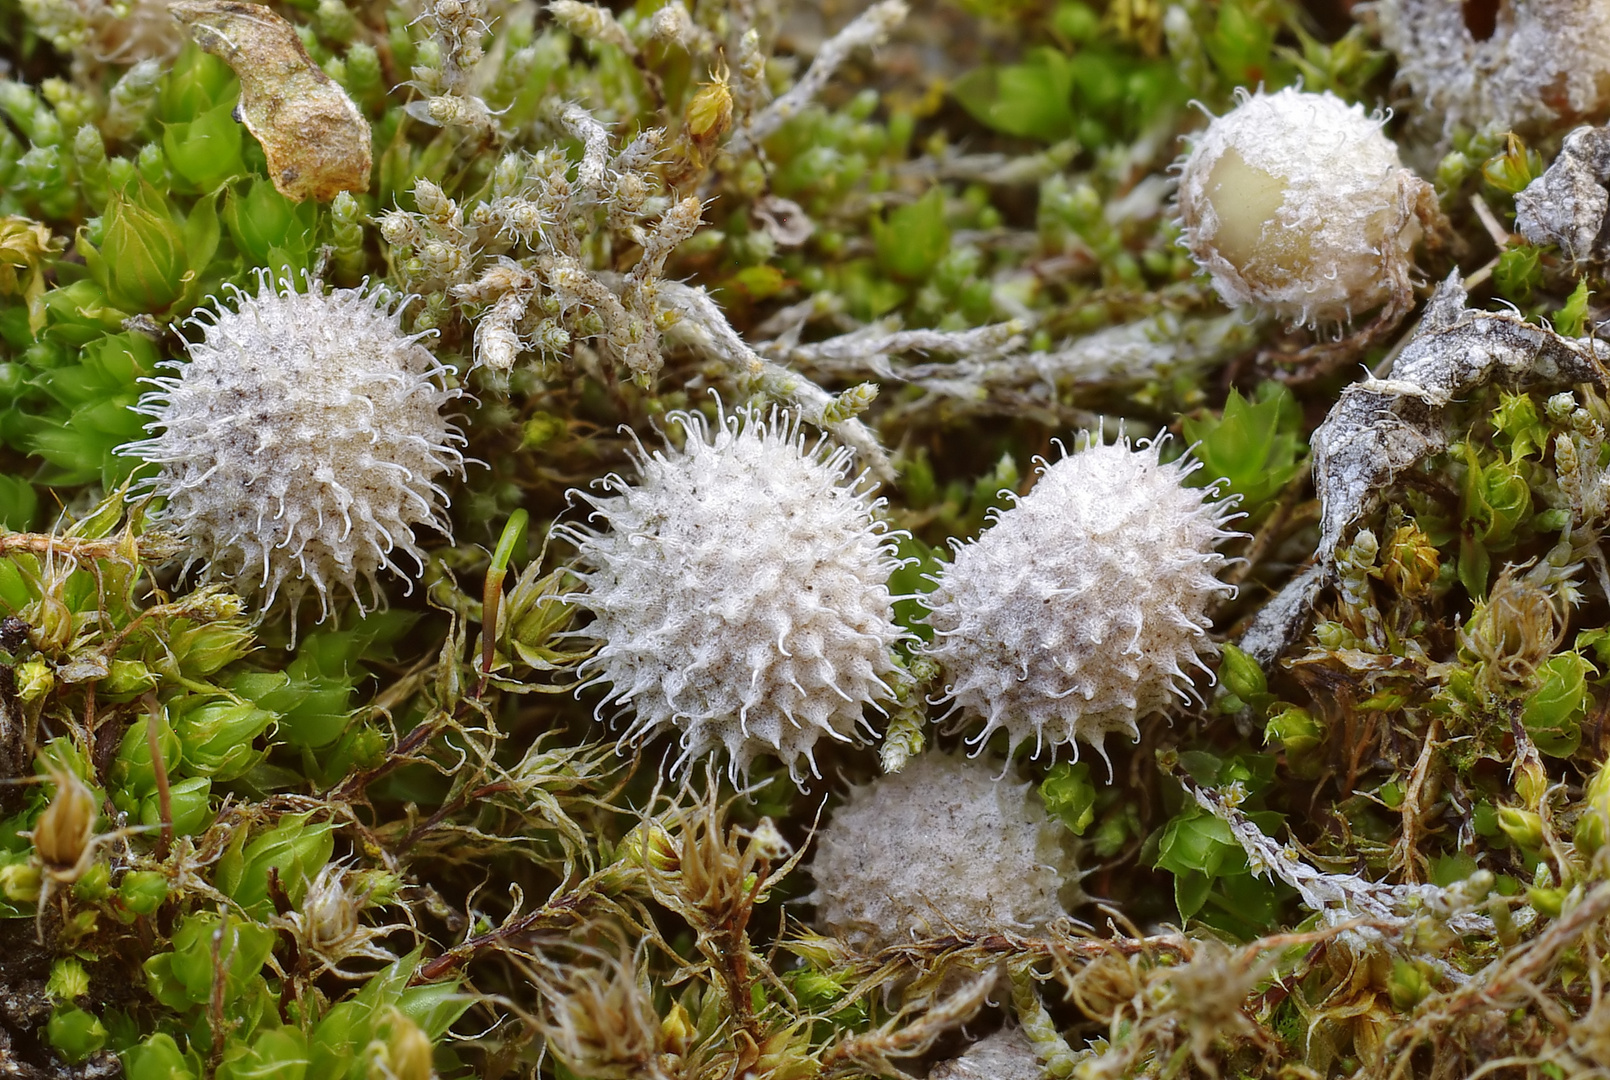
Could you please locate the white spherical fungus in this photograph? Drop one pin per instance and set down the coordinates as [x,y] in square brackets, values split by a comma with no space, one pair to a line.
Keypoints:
[301,443]
[945,843]
[1501,65]
[1078,611]
[739,592]
[1298,205]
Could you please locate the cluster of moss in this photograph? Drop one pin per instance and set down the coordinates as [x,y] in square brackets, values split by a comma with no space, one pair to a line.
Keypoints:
[399,844]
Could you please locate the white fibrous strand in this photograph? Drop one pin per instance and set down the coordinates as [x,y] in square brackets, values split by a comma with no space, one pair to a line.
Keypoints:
[945,845]
[301,443]
[870,28]
[1079,611]
[739,592]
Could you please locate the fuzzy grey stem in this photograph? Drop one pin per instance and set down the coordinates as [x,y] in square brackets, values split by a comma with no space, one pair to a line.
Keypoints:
[869,348]
[1338,898]
[871,27]
[590,174]
[715,335]
[1382,427]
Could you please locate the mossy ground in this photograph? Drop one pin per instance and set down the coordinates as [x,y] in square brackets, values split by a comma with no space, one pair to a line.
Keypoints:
[405,845]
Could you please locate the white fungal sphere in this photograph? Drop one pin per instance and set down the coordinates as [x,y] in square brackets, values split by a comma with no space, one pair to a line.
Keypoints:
[1297,204]
[945,843]
[1493,66]
[1078,612]
[301,443]
[739,593]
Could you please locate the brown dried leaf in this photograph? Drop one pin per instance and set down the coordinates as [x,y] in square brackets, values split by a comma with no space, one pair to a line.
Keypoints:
[316,140]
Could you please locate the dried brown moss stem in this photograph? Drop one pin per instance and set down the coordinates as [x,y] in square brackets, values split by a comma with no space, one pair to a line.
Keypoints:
[1497,987]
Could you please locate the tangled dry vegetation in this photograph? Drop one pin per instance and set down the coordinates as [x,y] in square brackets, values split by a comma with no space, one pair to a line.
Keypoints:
[515,516]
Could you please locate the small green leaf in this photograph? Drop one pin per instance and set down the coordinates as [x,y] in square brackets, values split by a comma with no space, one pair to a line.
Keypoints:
[914,238]
[1070,796]
[1519,271]
[75,1033]
[158,1058]
[1475,566]
[132,775]
[1191,888]
[511,540]
[142,891]
[19,504]
[217,735]
[1198,841]
[263,220]
[1517,426]
[184,976]
[1254,445]
[206,150]
[142,262]
[1241,44]
[1295,730]
[195,83]
[760,283]
[1033,99]
[1513,169]
[275,1054]
[919,565]
[1554,709]
[1451,869]
[1241,675]
[294,849]
[189,806]
[1572,319]
[868,294]
[1507,499]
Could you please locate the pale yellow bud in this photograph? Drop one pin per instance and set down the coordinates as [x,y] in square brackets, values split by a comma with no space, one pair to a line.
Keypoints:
[67,826]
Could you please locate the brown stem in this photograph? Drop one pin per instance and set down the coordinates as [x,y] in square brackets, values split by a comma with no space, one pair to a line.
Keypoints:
[215,998]
[395,760]
[1421,783]
[442,812]
[1273,529]
[89,719]
[566,911]
[491,600]
[44,544]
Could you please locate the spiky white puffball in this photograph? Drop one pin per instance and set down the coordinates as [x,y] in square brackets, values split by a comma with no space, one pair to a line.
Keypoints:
[946,842]
[1298,205]
[301,443]
[1079,610]
[739,592]
[1006,1055]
